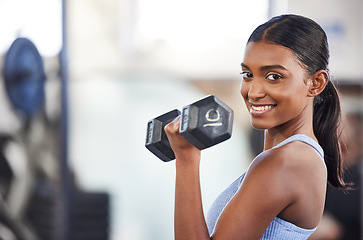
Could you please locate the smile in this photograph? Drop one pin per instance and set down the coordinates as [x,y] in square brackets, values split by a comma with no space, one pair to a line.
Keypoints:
[261,109]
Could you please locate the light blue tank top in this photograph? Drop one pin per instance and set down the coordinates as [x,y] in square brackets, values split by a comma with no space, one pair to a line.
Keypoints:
[278,229]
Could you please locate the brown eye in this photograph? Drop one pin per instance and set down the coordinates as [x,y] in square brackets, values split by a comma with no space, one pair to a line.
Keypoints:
[246,75]
[274,77]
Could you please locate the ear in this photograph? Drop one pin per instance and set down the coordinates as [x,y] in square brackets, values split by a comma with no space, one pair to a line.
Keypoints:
[317,82]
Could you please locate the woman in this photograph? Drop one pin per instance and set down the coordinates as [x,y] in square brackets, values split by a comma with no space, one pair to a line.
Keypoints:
[286,88]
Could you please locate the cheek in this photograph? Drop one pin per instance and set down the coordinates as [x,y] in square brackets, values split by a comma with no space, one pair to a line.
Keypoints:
[292,102]
[295,91]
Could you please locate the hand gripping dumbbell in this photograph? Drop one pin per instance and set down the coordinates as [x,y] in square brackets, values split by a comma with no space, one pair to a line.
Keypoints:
[203,123]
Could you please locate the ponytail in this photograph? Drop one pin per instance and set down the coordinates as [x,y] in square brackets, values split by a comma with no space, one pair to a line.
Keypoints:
[327,129]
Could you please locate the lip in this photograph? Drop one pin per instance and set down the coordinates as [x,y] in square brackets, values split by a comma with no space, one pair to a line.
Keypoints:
[257,110]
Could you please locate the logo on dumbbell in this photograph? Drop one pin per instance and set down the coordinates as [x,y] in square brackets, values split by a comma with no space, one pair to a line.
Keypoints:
[213,116]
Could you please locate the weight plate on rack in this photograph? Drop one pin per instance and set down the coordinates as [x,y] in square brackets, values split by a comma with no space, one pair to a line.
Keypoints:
[24,77]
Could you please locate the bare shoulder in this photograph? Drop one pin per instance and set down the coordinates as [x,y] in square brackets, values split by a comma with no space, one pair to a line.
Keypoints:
[295,156]
[272,187]
[286,171]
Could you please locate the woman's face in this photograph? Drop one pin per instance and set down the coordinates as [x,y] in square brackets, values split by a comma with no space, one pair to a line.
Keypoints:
[274,86]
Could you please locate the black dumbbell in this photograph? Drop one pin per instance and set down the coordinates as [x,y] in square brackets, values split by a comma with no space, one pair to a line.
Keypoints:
[156,139]
[204,123]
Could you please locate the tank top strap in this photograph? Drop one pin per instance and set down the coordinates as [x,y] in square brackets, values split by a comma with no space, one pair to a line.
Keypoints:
[305,139]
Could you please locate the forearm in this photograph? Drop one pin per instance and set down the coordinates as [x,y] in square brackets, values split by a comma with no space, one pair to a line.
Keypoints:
[189,218]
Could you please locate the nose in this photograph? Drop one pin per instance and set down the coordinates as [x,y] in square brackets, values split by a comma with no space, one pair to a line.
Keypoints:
[255,90]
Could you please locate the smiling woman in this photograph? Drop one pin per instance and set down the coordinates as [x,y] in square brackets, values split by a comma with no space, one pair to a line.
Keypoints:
[287,90]
[273,83]
[308,45]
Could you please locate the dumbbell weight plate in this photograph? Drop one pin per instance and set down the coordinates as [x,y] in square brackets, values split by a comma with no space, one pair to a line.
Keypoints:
[156,139]
[206,122]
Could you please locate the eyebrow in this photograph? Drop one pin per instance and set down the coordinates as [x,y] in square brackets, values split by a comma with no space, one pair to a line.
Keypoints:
[267,67]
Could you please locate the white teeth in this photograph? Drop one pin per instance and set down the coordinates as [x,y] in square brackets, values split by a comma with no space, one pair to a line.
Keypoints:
[261,108]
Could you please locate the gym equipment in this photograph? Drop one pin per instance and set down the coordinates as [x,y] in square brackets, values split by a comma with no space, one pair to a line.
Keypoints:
[24,77]
[204,123]
[156,139]
[15,182]
[89,217]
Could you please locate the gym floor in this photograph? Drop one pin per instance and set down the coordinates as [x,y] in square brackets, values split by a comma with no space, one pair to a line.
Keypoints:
[108,117]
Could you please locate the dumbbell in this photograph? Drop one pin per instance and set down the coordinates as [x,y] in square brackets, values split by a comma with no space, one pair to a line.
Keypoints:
[204,123]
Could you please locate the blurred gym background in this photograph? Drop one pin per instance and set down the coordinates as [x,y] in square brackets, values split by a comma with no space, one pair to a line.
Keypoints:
[80,79]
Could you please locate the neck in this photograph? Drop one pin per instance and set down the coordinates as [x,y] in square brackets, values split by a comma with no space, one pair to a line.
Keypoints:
[303,124]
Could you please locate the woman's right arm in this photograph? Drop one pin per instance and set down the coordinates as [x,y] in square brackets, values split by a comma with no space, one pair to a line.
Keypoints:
[268,188]
[189,222]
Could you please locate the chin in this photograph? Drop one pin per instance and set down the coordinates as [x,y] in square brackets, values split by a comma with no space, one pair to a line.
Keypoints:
[263,124]
[259,126]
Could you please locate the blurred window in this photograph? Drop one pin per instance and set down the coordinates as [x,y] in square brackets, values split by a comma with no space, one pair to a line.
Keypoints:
[38,20]
[198,25]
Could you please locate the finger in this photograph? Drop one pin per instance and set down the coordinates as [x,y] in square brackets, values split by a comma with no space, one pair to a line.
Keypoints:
[173,126]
